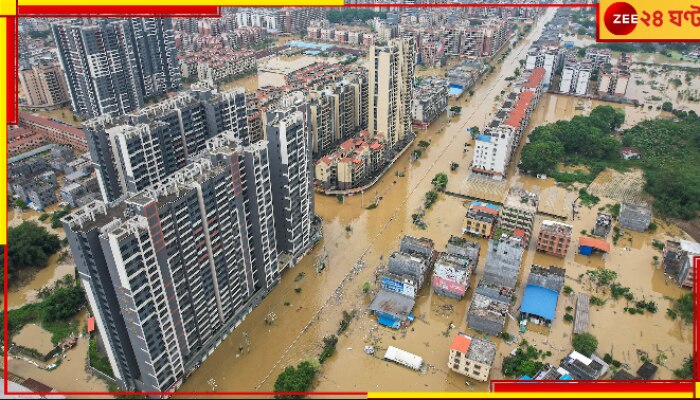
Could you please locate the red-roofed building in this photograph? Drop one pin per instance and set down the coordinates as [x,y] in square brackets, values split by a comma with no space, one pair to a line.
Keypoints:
[21,140]
[53,131]
[471,357]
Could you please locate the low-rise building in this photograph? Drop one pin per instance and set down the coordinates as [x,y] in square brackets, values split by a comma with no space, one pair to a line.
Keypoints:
[53,131]
[575,77]
[21,140]
[503,261]
[451,275]
[581,367]
[518,214]
[603,225]
[635,217]
[554,238]
[628,153]
[465,248]
[481,219]
[471,357]
[678,261]
[429,101]
[487,315]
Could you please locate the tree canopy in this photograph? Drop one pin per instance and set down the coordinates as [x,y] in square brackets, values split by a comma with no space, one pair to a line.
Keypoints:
[585,343]
[586,137]
[295,379]
[352,14]
[32,245]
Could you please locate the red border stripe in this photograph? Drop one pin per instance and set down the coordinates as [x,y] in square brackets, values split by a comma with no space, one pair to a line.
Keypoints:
[11,71]
[119,11]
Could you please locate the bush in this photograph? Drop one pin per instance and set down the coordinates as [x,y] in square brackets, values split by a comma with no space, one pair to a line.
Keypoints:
[607,358]
[505,336]
[684,307]
[297,379]
[430,199]
[686,370]
[440,182]
[423,144]
[568,317]
[568,289]
[585,343]
[569,308]
[97,360]
[366,287]
[32,245]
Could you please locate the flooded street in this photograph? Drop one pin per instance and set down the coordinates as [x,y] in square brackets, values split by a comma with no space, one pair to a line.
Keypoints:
[373,235]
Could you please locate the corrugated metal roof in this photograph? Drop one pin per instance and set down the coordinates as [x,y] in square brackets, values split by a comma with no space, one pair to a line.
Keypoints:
[539,301]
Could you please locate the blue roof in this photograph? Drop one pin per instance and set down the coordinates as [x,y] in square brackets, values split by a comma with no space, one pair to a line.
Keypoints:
[390,322]
[483,138]
[489,205]
[566,377]
[539,301]
[526,378]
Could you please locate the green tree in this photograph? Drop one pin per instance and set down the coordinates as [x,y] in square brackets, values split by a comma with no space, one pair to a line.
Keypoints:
[585,343]
[32,245]
[440,182]
[684,307]
[297,379]
[667,106]
[541,157]
[686,370]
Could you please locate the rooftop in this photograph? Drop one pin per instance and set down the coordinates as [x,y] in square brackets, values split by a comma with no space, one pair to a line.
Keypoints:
[392,303]
[597,244]
[556,227]
[539,301]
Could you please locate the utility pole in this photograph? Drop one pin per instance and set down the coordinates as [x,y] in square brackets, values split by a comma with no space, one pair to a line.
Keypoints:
[247,340]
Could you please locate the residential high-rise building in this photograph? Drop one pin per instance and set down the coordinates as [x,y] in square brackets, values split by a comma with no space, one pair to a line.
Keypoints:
[173,269]
[337,113]
[114,66]
[138,149]
[290,171]
[391,74]
[44,86]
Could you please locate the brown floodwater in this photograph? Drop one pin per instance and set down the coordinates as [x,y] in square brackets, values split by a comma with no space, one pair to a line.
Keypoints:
[374,234]
[33,279]
[69,376]
[35,337]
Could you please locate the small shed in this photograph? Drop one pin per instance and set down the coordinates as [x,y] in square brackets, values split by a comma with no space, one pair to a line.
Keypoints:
[647,371]
[587,245]
[539,302]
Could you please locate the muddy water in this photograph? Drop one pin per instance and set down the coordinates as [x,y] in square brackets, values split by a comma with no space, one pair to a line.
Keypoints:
[69,376]
[374,235]
[34,336]
[644,87]
[30,281]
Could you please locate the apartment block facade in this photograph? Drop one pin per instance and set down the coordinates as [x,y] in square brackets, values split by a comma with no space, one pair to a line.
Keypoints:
[144,147]
[113,66]
[337,113]
[44,86]
[292,191]
[554,238]
[391,74]
[173,269]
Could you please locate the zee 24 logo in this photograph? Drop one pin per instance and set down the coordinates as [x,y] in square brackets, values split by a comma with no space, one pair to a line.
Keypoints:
[621,18]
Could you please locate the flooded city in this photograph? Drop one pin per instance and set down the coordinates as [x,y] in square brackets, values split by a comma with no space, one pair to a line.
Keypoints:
[330,289]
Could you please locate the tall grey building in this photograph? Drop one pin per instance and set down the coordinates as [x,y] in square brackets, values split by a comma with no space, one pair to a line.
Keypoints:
[290,167]
[172,270]
[113,66]
[144,147]
[391,74]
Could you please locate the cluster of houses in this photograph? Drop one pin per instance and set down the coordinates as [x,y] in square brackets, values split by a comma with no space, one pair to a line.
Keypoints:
[216,66]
